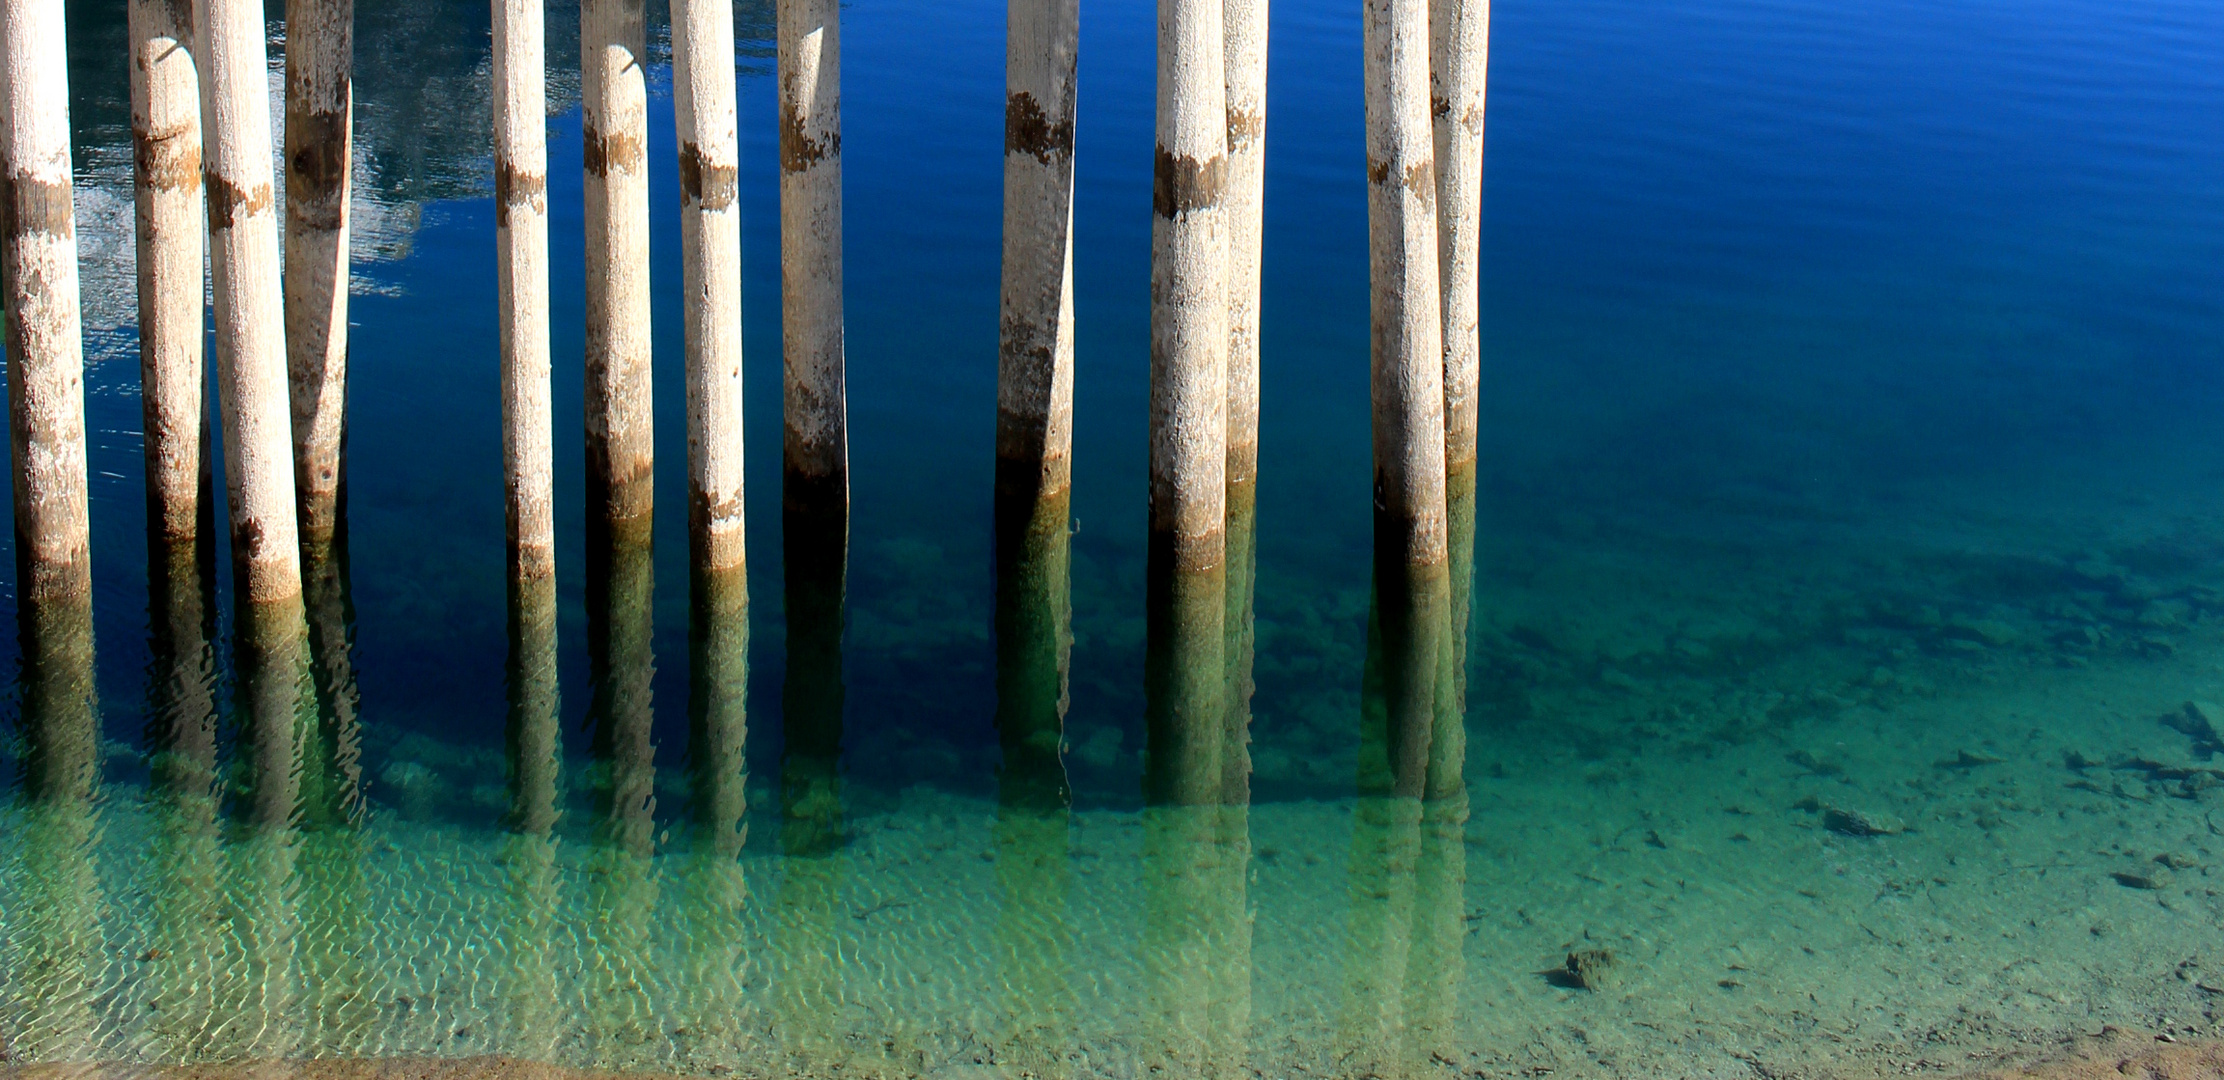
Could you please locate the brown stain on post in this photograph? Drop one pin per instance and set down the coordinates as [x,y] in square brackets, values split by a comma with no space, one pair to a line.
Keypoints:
[167,162]
[711,187]
[516,187]
[227,203]
[606,154]
[1244,127]
[1181,184]
[31,207]
[316,167]
[1028,130]
[798,150]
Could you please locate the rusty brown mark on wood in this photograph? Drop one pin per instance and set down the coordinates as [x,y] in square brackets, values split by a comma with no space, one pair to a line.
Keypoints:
[712,187]
[1028,130]
[227,203]
[606,154]
[798,150]
[317,164]
[1181,184]
[31,207]
[516,187]
[170,162]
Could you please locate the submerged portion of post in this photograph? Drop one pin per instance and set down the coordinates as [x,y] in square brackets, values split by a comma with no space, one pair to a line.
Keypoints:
[815,465]
[1184,672]
[320,129]
[1459,64]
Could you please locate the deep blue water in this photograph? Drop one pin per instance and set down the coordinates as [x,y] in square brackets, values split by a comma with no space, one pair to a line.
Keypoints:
[1842,251]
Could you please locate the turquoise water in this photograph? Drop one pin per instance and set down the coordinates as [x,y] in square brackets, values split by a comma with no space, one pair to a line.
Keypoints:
[1848,595]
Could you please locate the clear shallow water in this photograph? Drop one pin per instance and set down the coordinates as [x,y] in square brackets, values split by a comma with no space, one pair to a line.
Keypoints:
[1846,427]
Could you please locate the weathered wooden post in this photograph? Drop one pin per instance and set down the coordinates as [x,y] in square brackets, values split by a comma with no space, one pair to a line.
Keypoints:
[250,328]
[614,126]
[45,356]
[166,154]
[815,445]
[320,97]
[1244,36]
[521,265]
[710,238]
[1411,575]
[1459,62]
[1034,408]
[1184,674]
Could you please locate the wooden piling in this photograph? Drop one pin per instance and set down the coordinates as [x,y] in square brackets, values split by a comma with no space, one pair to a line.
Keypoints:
[710,242]
[171,225]
[1184,673]
[815,443]
[534,739]
[521,267]
[1034,407]
[1459,48]
[614,126]
[250,331]
[620,578]
[38,273]
[1412,587]
[320,51]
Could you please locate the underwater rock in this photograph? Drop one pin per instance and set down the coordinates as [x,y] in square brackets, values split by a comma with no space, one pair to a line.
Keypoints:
[1815,766]
[1966,759]
[1593,969]
[2198,720]
[2142,877]
[2176,860]
[1856,823]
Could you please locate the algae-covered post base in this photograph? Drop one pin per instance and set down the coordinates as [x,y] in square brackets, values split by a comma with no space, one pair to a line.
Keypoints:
[1034,643]
[815,535]
[717,708]
[621,585]
[250,327]
[814,394]
[320,97]
[170,230]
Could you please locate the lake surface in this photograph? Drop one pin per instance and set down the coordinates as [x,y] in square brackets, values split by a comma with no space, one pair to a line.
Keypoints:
[1848,611]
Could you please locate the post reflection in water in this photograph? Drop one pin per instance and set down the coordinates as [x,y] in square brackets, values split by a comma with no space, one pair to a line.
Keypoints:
[1034,642]
[334,906]
[623,886]
[256,988]
[49,1003]
[1196,847]
[1408,870]
[535,745]
[807,988]
[718,727]
[185,794]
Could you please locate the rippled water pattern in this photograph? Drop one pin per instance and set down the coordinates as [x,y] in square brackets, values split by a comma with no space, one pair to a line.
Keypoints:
[1849,609]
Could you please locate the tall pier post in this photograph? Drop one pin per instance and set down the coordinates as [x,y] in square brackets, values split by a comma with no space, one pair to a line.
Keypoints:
[1034,407]
[521,265]
[250,331]
[815,445]
[171,227]
[320,97]
[710,239]
[1244,37]
[45,354]
[1184,673]
[1411,573]
[1459,64]
[614,105]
